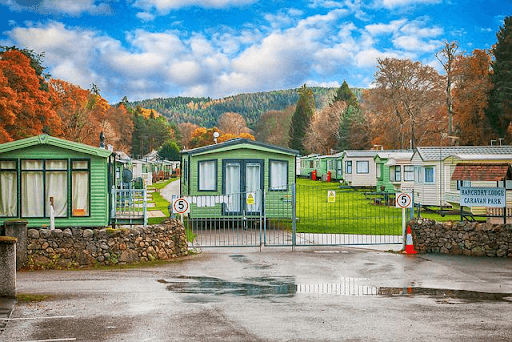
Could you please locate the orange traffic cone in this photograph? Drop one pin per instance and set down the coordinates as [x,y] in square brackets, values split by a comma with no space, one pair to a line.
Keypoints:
[409,246]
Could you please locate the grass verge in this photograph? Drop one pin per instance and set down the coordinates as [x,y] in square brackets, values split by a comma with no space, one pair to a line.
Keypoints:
[31,298]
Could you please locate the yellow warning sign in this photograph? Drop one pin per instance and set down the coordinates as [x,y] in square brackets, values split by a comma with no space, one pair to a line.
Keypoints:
[331,196]
[250,198]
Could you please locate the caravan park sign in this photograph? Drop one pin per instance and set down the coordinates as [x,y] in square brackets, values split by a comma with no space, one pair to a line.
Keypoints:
[482,197]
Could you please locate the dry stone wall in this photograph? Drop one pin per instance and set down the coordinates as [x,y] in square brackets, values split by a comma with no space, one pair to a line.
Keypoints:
[75,247]
[462,238]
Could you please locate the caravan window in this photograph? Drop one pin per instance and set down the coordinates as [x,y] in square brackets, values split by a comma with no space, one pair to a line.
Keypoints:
[8,188]
[429,174]
[348,166]
[278,175]
[207,175]
[362,167]
[395,173]
[408,173]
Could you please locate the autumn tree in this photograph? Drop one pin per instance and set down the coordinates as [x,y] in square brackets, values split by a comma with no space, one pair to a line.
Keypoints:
[273,126]
[203,137]
[412,92]
[471,97]
[186,129]
[25,101]
[72,105]
[499,113]
[301,118]
[322,132]
[233,123]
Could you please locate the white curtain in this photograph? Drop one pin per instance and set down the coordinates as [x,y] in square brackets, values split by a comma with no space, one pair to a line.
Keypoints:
[278,176]
[32,196]
[57,187]
[207,175]
[253,185]
[233,187]
[80,193]
[8,200]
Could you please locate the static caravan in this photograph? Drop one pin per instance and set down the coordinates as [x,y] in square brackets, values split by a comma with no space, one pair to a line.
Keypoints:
[394,171]
[142,169]
[238,178]
[36,171]
[359,168]
[308,164]
[432,174]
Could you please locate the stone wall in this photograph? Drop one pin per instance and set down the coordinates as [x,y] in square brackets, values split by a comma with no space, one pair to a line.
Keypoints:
[462,238]
[75,247]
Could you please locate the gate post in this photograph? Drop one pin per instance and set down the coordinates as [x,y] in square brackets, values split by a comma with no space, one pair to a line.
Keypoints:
[294,216]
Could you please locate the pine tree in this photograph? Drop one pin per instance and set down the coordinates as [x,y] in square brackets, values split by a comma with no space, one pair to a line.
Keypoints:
[345,94]
[499,113]
[301,118]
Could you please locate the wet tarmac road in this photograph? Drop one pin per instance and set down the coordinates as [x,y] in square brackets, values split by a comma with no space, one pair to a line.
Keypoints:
[336,294]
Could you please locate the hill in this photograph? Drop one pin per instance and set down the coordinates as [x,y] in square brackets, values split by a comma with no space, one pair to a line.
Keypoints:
[205,111]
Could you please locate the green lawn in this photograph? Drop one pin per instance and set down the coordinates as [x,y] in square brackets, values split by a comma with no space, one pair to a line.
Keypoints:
[352,213]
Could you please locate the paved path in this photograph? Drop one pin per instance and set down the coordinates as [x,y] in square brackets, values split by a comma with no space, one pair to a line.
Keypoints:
[171,189]
[231,295]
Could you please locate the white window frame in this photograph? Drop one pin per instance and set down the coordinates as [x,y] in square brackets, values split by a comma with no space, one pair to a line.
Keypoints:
[378,170]
[408,173]
[360,170]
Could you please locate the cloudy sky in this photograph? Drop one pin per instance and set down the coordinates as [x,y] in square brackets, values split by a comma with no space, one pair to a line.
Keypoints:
[163,48]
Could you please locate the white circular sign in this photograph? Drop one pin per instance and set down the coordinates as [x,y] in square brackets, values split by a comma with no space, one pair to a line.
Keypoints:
[403,201]
[180,206]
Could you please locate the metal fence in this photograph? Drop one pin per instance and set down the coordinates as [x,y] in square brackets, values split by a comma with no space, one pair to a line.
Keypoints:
[129,206]
[297,216]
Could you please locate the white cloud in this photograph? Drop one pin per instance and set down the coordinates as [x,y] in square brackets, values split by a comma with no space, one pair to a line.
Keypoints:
[392,27]
[412,43]
[164,6]
[402,3]
[145,16]
[66,7]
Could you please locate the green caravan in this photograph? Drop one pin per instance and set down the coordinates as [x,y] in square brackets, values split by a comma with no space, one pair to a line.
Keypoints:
[307,165]
[238,178]
[36,171]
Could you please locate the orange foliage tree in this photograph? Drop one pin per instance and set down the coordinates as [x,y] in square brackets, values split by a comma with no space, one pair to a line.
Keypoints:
[204,136]
[471,97]
[26,109]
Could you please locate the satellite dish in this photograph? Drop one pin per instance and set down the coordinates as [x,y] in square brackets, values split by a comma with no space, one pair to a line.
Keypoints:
[215,136]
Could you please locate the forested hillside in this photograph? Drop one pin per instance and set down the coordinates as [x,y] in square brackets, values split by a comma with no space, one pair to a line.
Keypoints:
[206,111]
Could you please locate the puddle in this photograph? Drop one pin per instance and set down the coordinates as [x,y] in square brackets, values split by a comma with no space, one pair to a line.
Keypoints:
[199,287]
[351,287]
[256,287]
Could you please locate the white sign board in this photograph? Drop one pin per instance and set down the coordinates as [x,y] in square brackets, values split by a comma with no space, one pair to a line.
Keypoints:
[180,206]
[403,200]
[331,196]
[482,197]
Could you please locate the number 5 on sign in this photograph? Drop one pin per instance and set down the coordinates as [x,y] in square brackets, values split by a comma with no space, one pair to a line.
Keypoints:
[403,201]
[181,206]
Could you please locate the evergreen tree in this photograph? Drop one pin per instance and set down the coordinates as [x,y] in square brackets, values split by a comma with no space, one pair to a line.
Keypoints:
[345,94]
[169,151]
[347,118]
[499,113]
[301,118]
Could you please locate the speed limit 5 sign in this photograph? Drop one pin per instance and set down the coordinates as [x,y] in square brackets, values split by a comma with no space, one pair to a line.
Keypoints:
[403,200]
[180,206]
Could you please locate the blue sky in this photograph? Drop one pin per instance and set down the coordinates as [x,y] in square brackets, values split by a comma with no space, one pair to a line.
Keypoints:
[163,48]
